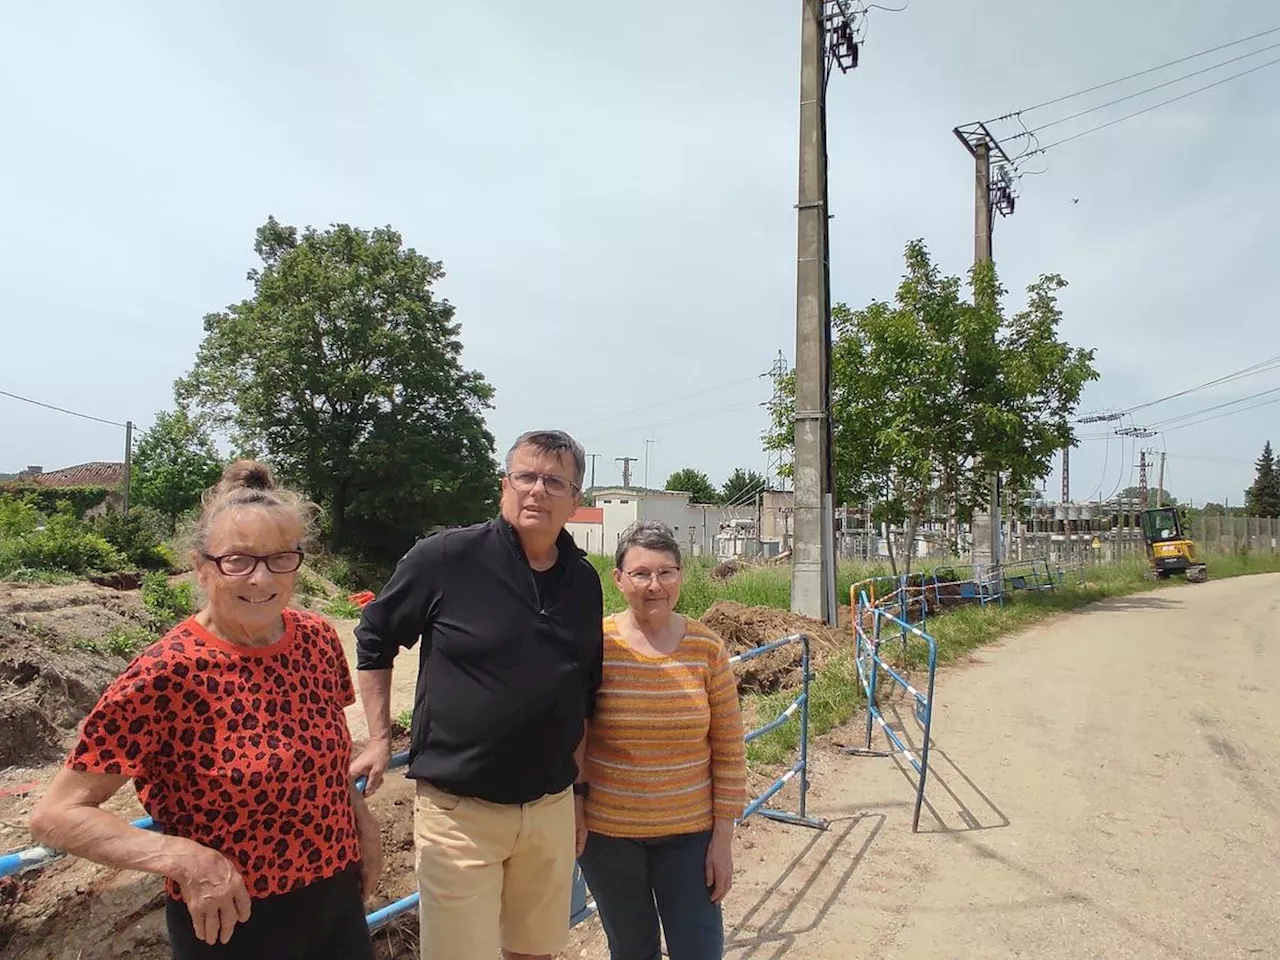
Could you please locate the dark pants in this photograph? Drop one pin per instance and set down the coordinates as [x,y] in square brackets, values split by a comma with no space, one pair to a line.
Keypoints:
[636,883]
[321,921]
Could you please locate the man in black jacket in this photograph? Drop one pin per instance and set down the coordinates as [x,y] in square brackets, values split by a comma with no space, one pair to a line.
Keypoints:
[509,613]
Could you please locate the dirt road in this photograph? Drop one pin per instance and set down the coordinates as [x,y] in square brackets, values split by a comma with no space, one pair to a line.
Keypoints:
[1107,786]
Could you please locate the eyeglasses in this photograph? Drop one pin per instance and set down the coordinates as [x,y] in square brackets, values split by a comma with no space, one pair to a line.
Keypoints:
[666,577]
[526,480]
[243,564]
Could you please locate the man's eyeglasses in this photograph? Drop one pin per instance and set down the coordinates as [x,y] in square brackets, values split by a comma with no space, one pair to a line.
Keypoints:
[666,576]
[243,564]
[526,480]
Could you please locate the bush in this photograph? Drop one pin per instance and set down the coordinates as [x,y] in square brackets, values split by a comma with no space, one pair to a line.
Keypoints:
[166,602]
[17,518]
[48,499]
[139,536]
[64,543]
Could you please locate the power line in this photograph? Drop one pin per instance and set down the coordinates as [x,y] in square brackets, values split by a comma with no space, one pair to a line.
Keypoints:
[1229,413]
[50,406]
[1159,86]
[1132,76]
[1154,106]
[1218,406]
[1261,366]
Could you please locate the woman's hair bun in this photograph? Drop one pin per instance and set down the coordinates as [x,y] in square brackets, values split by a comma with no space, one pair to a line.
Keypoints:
[247,475]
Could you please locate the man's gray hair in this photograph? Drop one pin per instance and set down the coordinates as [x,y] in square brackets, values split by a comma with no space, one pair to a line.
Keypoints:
[648,535]
[552,443]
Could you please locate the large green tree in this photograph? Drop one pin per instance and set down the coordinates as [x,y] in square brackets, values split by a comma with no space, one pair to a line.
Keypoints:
[343,368]
[1263,498]
[174,464]
[934,391]
[741,487]
[694,482]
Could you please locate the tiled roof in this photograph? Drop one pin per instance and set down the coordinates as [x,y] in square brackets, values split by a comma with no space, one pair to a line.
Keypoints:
[96,474]
[588,515]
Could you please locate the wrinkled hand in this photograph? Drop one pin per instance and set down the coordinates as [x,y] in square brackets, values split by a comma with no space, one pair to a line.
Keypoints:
[373,762]
[720,865]
[580,825]
[213,891]
[371,859]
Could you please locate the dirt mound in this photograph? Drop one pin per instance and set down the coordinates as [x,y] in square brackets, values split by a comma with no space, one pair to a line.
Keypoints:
[53,662]
[744,628]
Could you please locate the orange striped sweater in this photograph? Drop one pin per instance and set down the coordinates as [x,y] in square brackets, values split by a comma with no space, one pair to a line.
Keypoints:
[665,753]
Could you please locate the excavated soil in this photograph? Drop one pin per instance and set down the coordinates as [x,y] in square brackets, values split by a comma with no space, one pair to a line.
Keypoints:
[744,628]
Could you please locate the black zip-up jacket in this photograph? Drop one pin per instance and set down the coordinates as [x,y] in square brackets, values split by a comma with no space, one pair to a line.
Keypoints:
[509,665]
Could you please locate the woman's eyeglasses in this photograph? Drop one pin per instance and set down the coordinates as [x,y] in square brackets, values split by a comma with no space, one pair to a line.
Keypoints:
[666,577]
[243,564]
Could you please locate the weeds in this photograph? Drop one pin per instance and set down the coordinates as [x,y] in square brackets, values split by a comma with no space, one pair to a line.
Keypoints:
[122,641]
[167,603]
[342,608]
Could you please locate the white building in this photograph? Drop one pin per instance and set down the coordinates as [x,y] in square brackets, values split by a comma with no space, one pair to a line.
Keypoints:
[598,529]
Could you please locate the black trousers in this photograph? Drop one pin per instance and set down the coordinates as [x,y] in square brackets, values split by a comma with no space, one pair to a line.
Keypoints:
[321,921]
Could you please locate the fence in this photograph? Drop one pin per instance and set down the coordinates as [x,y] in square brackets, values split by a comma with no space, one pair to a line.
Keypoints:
[34,858]
[870,666]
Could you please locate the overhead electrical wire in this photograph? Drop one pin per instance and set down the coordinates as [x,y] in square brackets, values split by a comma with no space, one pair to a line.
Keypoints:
[1134,76]
[1154,106]
[1159,86]
[1219,416]
[1262,366]
[50,406]
[1164,424]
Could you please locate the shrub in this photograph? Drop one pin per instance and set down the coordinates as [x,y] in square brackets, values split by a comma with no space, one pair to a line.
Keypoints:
[64,543]
[17,518]
[48,499]
[166,602]
[139,536]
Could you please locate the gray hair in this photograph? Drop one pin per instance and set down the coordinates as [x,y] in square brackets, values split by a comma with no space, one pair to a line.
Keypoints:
[648,535]
[552,443]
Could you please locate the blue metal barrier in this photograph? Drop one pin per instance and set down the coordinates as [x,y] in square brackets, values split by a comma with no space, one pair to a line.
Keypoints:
[870,665]
[801,767]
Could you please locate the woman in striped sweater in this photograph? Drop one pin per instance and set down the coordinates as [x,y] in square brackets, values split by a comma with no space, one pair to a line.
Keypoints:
[665,763]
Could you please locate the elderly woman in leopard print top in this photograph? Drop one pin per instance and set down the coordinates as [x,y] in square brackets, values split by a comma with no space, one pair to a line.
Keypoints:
[232,730]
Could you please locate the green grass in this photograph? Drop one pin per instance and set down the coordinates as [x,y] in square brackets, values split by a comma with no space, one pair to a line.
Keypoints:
[765,586]
[341,608]
[836,694]
[123,641]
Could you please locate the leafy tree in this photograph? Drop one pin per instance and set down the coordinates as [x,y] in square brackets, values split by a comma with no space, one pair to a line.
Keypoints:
[1263,498]
[694,482]
[344,370]
[1167,499]
[741,487]
[931,393]
[174,464]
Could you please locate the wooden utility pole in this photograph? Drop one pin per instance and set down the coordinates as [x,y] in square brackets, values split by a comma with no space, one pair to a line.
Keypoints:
[812,561]
[128,465]
[626,469]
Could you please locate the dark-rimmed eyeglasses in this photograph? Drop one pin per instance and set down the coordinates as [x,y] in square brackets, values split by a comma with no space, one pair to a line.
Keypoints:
[243,564]
[526,480]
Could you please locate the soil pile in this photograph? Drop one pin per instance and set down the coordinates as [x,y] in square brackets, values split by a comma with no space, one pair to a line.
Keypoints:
[744,628]
[53,666]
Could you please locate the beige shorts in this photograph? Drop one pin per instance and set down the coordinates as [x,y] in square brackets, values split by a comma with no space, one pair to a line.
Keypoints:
[492,876]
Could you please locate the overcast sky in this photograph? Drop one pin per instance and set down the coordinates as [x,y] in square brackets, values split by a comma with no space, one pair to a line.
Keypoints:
[611,189]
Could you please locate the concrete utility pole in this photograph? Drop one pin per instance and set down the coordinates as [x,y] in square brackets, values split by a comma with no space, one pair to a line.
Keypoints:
[826,32]
[1160,482]
[1143,494]
[1066,474]
[593,457]
[626,469]
[977,139]
[647,444]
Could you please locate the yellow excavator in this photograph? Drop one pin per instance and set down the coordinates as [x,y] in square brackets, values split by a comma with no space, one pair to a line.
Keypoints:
[1168,550]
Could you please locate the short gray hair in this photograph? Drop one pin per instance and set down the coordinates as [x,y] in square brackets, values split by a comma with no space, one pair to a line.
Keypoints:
[552,443]
[648,535]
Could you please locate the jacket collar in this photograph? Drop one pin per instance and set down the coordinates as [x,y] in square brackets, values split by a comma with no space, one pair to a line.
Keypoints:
[566,547]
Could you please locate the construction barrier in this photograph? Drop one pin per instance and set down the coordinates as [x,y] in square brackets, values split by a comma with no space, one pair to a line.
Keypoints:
[33,858]
[871,666]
